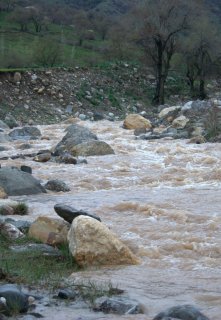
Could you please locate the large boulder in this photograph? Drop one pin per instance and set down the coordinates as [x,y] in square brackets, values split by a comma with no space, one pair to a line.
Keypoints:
[75,135]
[25,133]
[16,182]
[136,121]
[91,148]
[49,230]
[92,243]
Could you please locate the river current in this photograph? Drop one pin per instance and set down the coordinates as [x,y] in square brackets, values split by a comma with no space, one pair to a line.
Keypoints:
[162,198]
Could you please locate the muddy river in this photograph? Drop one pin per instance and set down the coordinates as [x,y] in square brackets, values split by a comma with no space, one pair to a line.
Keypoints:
[161,197]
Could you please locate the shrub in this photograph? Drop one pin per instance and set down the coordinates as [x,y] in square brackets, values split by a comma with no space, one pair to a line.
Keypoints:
[21,209]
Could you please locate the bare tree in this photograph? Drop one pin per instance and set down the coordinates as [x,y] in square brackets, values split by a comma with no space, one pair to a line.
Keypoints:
[160,23]
[201,51]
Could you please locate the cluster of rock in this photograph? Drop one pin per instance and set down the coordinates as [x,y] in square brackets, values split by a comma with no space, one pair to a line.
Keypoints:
[90,241]
[196,120]
[14,301]
[78,142]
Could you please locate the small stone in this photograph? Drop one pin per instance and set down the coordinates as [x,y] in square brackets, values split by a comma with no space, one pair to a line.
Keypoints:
[10,231]
[67,294]
[26,169]
[57,185]
[3,194]
[41,90]
[82,117]
[43,157]
[117,305]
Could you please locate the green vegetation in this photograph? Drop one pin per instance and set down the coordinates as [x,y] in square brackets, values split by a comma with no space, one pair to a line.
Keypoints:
[21,209]
[169,37]
[34,268]
[91,290]
[47,271]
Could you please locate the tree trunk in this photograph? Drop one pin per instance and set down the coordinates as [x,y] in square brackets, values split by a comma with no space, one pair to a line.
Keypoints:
[202,92]
[159,93]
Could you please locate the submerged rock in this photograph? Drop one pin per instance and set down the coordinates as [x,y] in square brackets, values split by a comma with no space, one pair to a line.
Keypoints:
[117,305]
[185,312]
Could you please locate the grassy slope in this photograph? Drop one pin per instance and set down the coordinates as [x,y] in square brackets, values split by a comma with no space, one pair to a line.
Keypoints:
[19,49]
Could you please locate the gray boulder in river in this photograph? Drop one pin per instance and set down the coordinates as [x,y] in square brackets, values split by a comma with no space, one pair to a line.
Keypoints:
[80,141]
[16,182]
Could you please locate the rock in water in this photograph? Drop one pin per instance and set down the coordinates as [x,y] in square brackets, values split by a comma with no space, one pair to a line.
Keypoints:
[43,157]
[92,243]
[136,121]
[75,135]
[92,148]
[117,305]
[16,182]
[57,185]
[25,133]
[69,213]
[185,312]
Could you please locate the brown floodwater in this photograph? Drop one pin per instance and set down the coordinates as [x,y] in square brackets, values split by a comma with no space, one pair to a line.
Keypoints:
[162,198]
